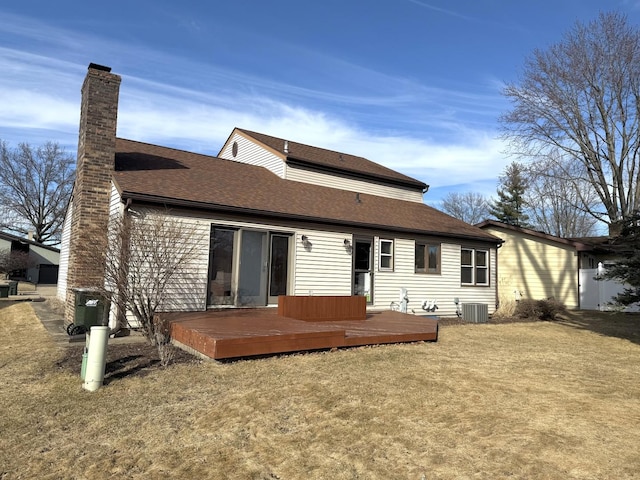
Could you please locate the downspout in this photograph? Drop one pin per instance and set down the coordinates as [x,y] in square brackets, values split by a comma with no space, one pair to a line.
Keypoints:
[497,301]
[578,282]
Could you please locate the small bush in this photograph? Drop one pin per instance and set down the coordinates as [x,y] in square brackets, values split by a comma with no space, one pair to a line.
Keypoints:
[506,309]
[540,309]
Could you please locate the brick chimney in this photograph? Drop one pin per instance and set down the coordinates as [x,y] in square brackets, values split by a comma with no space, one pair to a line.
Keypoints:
[92,188]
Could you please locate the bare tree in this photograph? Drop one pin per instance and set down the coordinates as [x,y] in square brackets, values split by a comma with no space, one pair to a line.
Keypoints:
[149,267]
[35,186]
[15,261]
[470,207]
[581,97]
[556,206]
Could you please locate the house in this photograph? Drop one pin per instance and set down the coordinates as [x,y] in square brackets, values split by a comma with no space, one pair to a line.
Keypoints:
[41,262]
[536,265]
[274,217]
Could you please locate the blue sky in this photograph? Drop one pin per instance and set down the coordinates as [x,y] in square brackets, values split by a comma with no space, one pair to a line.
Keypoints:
[411,84]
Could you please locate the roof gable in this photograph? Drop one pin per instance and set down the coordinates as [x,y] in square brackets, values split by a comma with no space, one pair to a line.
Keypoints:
[580,246]
[299,154]
[14,238]
[175,177]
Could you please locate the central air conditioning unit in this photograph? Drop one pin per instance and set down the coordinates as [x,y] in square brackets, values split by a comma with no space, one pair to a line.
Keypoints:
[475,312]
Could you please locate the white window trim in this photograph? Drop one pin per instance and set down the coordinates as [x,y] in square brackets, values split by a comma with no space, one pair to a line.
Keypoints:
[385,255]
[486,267]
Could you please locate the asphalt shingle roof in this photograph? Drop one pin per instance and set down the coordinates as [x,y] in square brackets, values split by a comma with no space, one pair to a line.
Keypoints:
[333,160]
[176,177]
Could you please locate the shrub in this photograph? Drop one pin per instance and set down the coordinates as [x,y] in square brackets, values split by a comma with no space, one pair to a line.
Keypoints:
[506,309]
[540,309]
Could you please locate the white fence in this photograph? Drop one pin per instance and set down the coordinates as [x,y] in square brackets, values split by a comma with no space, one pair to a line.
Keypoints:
[597,294]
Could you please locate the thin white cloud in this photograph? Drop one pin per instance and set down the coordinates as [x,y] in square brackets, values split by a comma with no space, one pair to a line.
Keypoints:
[442,10]
[394,121]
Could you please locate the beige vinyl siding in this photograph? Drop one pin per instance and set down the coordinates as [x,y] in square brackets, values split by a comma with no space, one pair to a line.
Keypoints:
[352,184]
[63,268]
[253,154]
[537,268]
[325,267]
[188,292]
[443,287]
[116,209]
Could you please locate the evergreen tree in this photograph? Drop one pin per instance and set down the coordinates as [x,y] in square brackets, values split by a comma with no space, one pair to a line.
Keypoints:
[627,268]
[510,205]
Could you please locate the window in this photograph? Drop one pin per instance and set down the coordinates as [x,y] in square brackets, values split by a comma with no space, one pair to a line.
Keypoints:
[427,258]
[474,266]
[386,255]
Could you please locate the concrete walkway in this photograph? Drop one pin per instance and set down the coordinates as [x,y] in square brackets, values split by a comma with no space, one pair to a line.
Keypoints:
[52,321]
[42,298]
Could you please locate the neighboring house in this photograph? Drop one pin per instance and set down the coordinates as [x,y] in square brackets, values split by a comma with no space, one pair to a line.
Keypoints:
[536,265]
[42,263]
[274,217]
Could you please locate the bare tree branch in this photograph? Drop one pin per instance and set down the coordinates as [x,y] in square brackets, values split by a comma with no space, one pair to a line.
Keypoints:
[149,267]
[556,197]
[35,186]
[581,98]
[470,207]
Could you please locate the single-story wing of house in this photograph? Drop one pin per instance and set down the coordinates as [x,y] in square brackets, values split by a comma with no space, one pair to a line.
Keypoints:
[274,217]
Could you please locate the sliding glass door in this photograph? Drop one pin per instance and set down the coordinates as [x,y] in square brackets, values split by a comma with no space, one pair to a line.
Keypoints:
[221,266]
[252,281]
[247,267]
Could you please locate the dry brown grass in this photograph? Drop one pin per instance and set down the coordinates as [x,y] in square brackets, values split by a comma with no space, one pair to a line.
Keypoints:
[522,400]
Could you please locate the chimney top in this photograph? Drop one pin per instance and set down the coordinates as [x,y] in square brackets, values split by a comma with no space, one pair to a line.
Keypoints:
[95,66]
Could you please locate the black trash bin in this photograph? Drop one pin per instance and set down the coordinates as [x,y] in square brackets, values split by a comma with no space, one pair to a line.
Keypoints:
[13,287]
[4,290]
[90,306]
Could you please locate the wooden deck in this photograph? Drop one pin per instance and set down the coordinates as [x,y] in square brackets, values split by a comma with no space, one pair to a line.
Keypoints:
[248,332]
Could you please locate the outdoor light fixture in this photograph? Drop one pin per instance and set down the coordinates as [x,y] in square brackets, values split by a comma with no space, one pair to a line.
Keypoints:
[305,242]
[347,245]
[305,238]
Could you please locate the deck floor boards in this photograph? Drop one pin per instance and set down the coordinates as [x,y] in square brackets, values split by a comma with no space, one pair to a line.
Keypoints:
[248,332]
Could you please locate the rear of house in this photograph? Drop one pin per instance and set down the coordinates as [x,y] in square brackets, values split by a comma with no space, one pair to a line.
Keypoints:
[274,217]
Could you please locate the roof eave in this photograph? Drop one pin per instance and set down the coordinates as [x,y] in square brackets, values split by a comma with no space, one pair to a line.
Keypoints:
[174,202]
[414,185]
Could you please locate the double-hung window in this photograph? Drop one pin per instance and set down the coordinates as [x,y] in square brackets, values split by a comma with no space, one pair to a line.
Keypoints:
[474,266]
[386,255]
[427,258]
